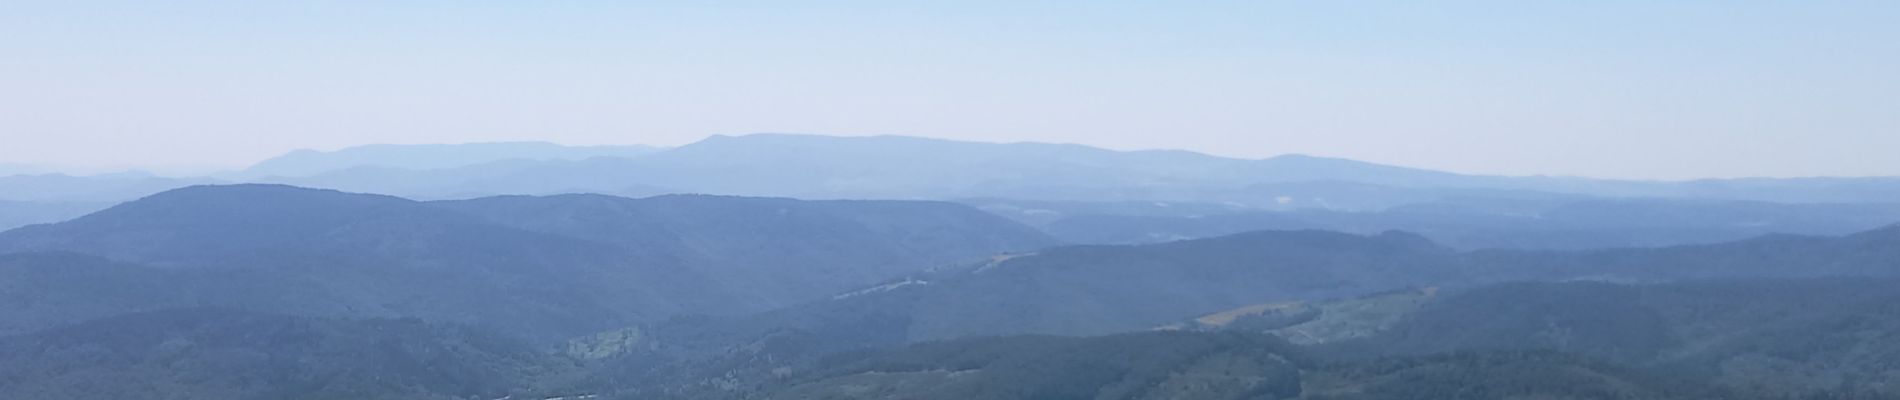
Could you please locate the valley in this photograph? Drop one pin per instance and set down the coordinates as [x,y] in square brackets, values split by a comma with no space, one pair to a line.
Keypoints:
[1502,289]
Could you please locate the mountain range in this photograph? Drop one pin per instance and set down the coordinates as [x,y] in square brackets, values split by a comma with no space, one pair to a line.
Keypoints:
[810,267]
[898,167]
[212,291]
[1559,223]
[427,157]
[810,166]
[541,267]
[1077,193]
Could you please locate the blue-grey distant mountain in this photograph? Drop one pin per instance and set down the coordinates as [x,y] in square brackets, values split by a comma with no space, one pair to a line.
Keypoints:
[429,156]
[777,249]
[111,188]
[812,166]
[541,267]
[1548,223]
[312,252]
[496,178]
[14,214]
[10,169]
[897,167]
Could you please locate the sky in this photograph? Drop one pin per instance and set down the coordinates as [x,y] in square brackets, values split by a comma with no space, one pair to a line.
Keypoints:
[1612,89]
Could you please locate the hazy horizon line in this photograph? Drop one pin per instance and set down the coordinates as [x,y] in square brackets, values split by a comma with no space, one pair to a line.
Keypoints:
[212,169]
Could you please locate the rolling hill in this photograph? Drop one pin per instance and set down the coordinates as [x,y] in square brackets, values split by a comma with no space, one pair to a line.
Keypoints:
[316,252]
[1151,365]
[784,250]
[14,214]
[1492,223]
[1093,290]
[1776,338]
[224,354]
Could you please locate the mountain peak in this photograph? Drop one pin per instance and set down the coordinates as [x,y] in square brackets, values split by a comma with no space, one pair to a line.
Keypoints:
[229,207]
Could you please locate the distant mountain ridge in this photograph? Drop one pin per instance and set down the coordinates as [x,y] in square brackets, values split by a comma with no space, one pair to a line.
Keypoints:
[108,188]
[899,167]
[7,169]
[1562,223]
[429,156]
[14,214]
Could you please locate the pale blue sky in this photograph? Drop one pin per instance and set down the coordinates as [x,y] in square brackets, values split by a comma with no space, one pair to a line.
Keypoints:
[1628,89]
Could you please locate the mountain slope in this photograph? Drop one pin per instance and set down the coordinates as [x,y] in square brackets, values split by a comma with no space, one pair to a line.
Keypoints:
[783,250]
[1132,366]
[1496,375]
[1736,339]
[313,252]
[40,290]
[14,214]
[1774,337]
[508,263]
[1085,290]
[1078,290]
[1556,224]
[223,354]
[1873,253]
[1147,365]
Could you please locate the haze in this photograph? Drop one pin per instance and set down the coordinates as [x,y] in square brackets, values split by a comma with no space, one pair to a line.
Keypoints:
[734,200]
[1615,90]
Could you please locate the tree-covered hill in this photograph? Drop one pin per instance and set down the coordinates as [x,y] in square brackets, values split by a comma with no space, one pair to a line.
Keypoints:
[521,265]
[1778,337]
[215,354]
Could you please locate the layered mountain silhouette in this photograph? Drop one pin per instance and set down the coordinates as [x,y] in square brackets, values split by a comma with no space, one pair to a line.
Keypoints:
[14,214]
[1554,223]
[428,157]
[812,166]
[897,167]
[781,250]
[504,263]
[110,188]
[1094,290]
[751,267]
